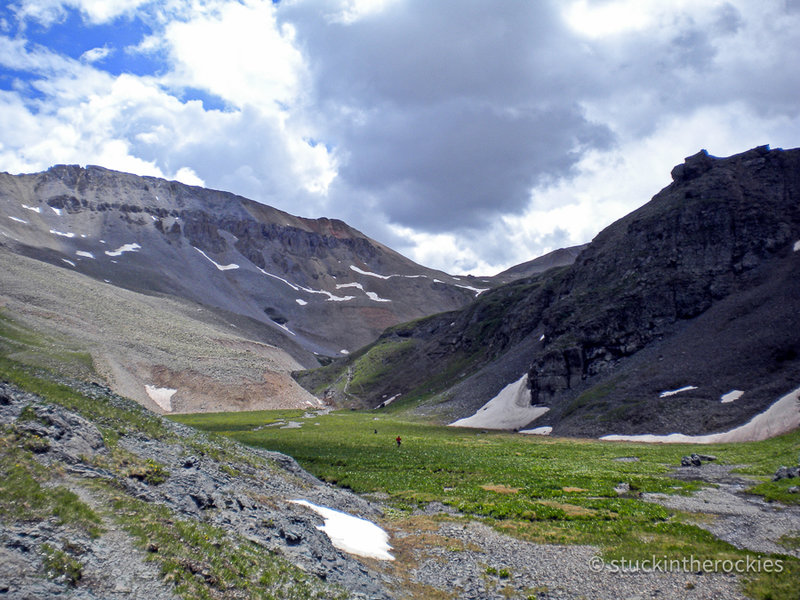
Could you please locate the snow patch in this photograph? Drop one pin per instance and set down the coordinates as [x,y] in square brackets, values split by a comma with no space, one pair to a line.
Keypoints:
[58,211]
[124,248]
[352,534]
[511,408]
[547,430]
[478,291]
[731,396]
[797,246]
[216,264]
[300,301]
[68,234]
[35,209]
[297,288]
[161,396]
[69,262]
[386,403]
[678,391]
[284,327]
[18,220]
[84,254]
[541,339]
[370,295]
[292,424]
[343,351]
[370,273]
[783,416]
[375,297]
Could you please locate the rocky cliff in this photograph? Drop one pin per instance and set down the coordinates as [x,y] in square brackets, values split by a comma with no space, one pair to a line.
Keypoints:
[697,289]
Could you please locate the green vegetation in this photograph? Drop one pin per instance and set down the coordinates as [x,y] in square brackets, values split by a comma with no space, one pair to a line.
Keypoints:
[205,562]
[539,489]
[59,564]
[201,561]
[23,497]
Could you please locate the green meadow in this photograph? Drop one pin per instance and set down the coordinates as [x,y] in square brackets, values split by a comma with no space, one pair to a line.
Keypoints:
[547,490]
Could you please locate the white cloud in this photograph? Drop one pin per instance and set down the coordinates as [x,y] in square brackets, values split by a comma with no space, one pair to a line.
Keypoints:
[96,54]
[467,147]
[238,53]
[189,177]
[47,12]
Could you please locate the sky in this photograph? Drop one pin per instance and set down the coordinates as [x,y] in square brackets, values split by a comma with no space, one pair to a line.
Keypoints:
[468,135]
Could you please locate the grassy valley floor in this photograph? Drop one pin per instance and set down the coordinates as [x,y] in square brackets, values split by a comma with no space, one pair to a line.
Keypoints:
[569,492]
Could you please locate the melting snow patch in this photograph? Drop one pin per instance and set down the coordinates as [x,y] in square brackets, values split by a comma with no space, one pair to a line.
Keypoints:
[678,391]
[69,262]
[547,430]
[343,351]
[511,408]
[376,298]
[284,327]
[797,246]
[339,286]
[370,273]
[478,291]
[731,396]
[18,220]
[58,211]
[386,403]
[300,301]
[35,209]
[297,288]
[541,339]
[161,396]
[782,417]
[62,234]
[124,248]
[84,254]
[292,425]
[352,534]
[219,266]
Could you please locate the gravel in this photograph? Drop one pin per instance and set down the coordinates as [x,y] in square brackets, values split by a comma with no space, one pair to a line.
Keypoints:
[744,520]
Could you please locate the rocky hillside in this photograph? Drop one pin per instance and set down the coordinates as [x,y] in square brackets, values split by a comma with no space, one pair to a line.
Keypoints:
[696,291]
[318,283]
[101,499]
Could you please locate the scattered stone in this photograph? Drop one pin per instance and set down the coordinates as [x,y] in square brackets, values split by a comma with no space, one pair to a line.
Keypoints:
[622,488]
[696,460]
[786,473]
[795,489]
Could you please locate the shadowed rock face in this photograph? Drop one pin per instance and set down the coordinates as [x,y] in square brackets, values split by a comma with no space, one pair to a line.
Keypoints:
[698,241]
[222,251]
[697,288]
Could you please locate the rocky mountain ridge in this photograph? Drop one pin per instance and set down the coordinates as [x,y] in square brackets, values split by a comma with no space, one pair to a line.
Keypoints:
[695,291]
[318,282]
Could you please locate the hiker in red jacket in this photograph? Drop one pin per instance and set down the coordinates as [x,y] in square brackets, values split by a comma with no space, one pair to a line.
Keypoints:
[398,440]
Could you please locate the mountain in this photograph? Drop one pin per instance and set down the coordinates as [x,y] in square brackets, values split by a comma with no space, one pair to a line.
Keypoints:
[561,257]
[695,294]
[187,299]
[319,282]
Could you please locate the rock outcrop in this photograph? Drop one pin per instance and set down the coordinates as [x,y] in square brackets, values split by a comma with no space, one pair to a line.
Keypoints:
[696,292]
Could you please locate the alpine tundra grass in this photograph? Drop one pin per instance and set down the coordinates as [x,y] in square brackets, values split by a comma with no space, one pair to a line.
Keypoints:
[556,491]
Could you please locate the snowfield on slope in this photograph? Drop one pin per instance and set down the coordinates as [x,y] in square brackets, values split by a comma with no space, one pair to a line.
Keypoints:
[510,409]
[783,416]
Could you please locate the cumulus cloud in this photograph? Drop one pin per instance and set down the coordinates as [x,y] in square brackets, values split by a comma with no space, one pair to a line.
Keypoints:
[468,135]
